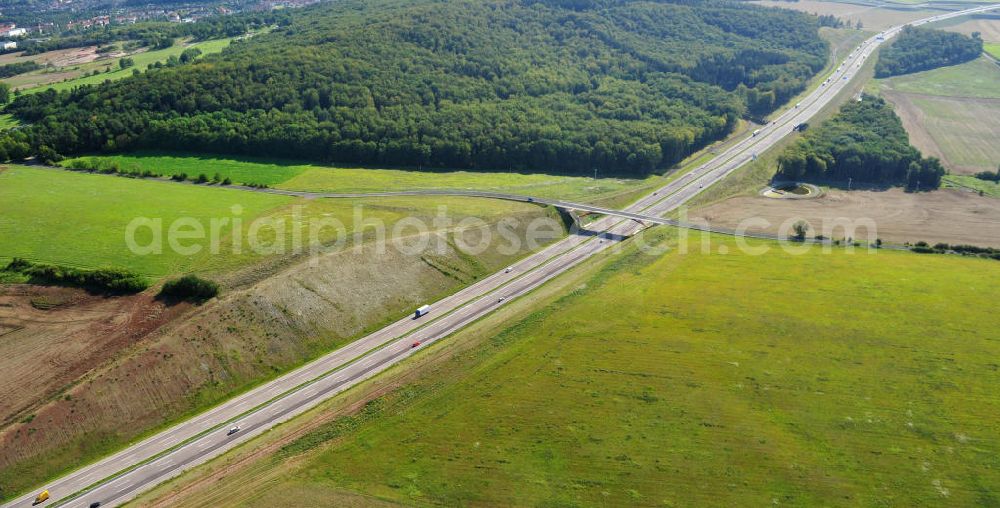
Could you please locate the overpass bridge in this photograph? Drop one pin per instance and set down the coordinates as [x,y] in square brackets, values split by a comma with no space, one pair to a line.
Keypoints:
[644,219]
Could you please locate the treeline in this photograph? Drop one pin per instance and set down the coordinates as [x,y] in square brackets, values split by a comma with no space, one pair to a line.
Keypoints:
[111,167]
[160,35]
[14,69]
[830,20]
[989,176]
[965,250]
[112,281]
[629,87]
[921,49]
[864,142]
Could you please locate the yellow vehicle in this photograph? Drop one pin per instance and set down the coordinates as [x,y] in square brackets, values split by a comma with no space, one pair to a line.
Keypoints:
[41,498]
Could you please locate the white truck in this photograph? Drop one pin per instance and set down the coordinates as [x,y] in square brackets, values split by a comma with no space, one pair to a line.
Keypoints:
[423,310]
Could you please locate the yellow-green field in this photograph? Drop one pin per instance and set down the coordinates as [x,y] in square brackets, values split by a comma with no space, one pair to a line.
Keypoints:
[831,379]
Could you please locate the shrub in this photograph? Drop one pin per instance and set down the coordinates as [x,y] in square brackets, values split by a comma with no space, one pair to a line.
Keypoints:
[17,265]
[190,288]
[48,156]
[800,228]
[179,177]
[190,54]
[80,165]
[107,167]
[202,178]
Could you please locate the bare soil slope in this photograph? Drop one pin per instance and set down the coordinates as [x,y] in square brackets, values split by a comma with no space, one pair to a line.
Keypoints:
[50,336]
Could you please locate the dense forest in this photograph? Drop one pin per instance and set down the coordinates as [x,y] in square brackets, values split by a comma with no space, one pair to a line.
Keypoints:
[921,49]
[865,142]
[567,85]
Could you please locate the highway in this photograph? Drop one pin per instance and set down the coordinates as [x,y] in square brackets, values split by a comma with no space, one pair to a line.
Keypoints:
[142,465]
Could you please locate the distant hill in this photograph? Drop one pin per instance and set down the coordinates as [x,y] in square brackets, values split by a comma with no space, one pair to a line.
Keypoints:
[628,86]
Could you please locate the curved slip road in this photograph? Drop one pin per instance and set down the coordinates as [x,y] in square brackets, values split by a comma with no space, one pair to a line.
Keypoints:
[120,477]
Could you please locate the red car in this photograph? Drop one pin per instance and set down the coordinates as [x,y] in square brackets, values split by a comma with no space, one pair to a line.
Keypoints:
[415,344]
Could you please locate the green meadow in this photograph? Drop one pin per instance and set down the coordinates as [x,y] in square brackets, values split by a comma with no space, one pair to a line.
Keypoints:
[80,219]
[833,379]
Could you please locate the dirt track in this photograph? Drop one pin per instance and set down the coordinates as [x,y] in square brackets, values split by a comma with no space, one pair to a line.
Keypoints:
[948,215]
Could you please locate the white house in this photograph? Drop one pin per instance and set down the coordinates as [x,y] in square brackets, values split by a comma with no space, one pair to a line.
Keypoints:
[17,32]
[9,45]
